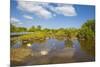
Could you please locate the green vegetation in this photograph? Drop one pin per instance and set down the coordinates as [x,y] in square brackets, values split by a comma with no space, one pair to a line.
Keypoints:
[87,31]
[13,28]
[86,36]
[34,36]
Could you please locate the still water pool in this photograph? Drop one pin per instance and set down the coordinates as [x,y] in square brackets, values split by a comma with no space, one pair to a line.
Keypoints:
[54,51]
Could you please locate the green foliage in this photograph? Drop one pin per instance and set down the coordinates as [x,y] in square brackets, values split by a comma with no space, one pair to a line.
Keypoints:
[87,30]
[34,36]
[60,33]
[38,28]
[32,29]
[71,32]
[90,24]
[12,28]
[17,29]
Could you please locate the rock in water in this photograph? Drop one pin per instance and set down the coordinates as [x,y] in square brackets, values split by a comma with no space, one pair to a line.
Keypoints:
[20,55]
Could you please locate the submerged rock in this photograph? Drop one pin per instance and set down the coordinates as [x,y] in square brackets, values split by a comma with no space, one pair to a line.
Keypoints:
[19,56]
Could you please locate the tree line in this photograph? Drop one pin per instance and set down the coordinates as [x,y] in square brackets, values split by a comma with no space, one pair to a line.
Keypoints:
[87,31]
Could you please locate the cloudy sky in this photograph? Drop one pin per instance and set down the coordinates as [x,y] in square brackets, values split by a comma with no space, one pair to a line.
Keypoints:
[50,15]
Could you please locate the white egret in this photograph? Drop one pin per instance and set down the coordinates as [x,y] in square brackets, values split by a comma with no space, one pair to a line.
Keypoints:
[29,45]
[44,52]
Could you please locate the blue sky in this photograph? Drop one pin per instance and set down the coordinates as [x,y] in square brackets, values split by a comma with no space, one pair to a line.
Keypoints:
[50,15]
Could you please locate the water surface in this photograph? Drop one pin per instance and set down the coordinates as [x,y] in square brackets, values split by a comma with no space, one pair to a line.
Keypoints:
[57,51]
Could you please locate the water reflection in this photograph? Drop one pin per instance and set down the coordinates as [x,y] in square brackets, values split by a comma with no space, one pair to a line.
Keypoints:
[57,51]
[44,52]
[88,46]
[29,45]
[68,43]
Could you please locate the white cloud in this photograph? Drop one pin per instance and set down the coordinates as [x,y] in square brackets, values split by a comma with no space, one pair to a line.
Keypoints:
[28,17]
[14,19]
[66,10]
[34,7]
[40,9]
